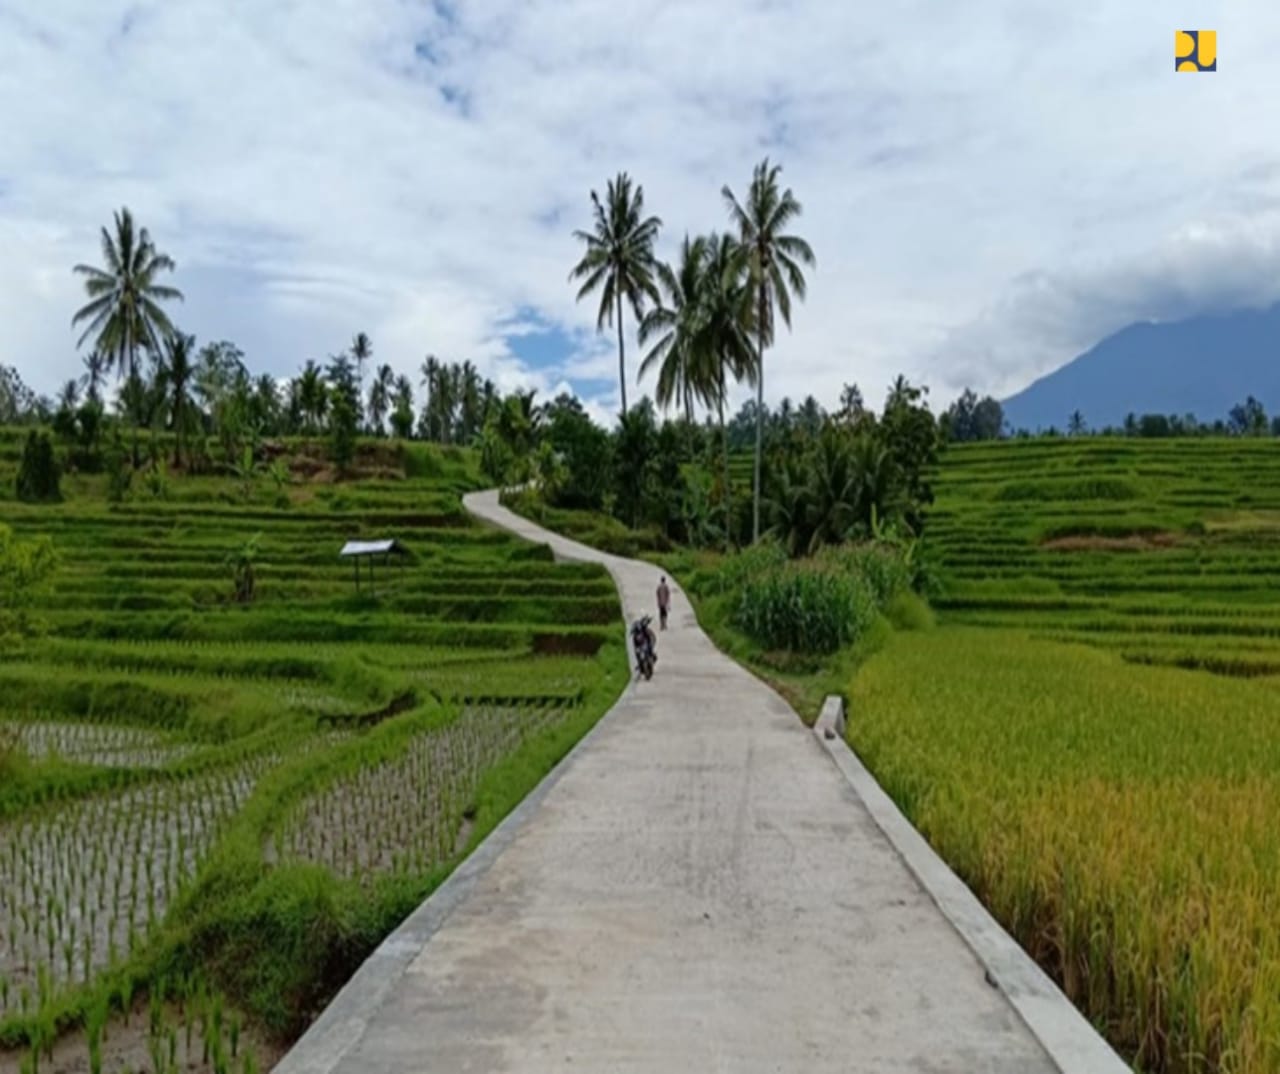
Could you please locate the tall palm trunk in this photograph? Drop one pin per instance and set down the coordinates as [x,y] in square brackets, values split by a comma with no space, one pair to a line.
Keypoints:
[728,487]
[178,424]
[755,510]
[134,393]
[622,362]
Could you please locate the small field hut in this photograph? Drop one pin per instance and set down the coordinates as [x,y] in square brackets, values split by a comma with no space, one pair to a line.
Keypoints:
[371,552]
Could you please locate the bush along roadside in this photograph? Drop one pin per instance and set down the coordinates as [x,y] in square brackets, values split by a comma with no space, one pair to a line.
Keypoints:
[818,605]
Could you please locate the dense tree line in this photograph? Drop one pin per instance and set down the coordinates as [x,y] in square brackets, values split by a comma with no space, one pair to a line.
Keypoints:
[704,324]
[1248,418]
[970,418]
[826,477]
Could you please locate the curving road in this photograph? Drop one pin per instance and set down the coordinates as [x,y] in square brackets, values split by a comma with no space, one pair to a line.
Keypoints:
[696,889]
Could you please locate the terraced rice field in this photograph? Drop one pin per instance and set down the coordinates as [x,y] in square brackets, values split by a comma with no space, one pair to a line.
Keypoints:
[1092,735]
[1165,552]
[180,753]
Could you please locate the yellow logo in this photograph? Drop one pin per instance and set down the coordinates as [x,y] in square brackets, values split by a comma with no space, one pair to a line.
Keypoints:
[1195,50]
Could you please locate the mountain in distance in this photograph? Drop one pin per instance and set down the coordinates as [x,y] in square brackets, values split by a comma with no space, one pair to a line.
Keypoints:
[1203,366]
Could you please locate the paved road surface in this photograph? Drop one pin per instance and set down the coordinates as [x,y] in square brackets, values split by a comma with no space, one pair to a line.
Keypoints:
[699,891]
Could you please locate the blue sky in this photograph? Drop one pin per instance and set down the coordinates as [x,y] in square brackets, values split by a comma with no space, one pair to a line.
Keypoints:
[989,187]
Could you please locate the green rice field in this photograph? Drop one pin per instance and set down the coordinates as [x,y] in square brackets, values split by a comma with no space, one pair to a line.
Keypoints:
[221,800]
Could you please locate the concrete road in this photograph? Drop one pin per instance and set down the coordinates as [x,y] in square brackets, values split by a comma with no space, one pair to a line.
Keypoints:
[699,890]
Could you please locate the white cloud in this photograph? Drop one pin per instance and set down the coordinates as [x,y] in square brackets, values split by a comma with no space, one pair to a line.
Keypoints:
[1045,318]
[988,187]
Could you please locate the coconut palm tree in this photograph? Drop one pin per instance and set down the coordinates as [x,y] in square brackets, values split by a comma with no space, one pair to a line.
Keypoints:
[724,351]
[402,408]
[469,401]
[361,352]
[95,375]
[674,325]
[176,373]
[123,312]
[430,370]
[313,396]
[901,394]
[774,260]
[69,395]
[380,397]
[618,261]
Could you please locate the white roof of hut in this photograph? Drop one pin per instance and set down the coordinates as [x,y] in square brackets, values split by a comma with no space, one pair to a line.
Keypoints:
[371,548]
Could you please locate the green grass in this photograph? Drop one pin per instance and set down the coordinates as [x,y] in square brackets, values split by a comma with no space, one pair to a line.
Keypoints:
[159,742]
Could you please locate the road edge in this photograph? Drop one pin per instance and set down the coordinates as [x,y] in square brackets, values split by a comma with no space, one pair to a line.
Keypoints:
[1067,1037]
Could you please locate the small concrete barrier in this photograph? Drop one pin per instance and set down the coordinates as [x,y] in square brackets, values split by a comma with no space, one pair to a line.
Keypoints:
[1065,1034]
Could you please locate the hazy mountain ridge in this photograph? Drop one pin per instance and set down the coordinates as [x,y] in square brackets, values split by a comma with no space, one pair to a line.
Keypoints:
[1202,365]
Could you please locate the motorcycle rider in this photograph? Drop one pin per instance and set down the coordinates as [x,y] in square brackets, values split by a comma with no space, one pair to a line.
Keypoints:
[645,643]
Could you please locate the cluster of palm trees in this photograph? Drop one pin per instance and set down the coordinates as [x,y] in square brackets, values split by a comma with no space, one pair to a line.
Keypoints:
[189,391]
[708,319]
[458,401]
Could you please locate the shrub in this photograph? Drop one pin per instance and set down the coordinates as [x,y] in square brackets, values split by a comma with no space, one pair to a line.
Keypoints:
[759,559]
[119,473]
[26,569]
[158,481]
[38,473]
[908,611]
[241,564]
[804,608]
[881,566]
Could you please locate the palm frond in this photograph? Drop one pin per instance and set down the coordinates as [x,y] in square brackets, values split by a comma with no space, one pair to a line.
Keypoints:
[795,249]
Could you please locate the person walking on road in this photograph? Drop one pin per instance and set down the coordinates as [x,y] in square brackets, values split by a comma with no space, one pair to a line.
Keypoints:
[664,602]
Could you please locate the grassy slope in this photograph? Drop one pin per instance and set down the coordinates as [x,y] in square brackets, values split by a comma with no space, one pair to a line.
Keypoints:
[140,635]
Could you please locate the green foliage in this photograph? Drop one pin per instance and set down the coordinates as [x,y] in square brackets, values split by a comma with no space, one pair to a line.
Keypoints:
[883,566]
[804,608]
[848,483]
[584,450]
[507,441]
[970,418]
[343,426]
[26,572]
[909,611]
[634,464]
[242,563]
[39,475]
[119,472]
[157,481]
[755,561]
[910,435]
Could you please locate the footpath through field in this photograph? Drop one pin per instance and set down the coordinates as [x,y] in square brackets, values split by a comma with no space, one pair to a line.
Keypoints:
[699,890]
